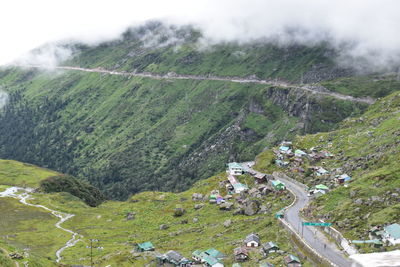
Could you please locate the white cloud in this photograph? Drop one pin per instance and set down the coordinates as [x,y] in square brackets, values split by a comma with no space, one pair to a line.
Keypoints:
[371,26]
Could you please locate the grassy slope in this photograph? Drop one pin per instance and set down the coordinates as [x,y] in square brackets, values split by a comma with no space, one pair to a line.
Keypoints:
[117,235]
[372,85]
[366,148]
[14,173]
[141,127]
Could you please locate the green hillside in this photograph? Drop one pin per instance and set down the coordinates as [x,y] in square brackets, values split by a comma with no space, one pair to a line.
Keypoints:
[118,226]
[367,149]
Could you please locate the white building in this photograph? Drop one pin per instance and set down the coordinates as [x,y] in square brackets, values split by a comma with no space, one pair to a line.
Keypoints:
[235,168]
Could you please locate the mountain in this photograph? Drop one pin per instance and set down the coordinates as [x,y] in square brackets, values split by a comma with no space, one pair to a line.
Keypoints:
[173,110]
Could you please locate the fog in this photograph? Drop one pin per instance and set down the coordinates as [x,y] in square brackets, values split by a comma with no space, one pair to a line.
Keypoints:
[365,31]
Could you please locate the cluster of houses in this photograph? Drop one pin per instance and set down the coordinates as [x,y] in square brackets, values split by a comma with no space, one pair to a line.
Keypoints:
[294,159]
[388,235]
[214,258]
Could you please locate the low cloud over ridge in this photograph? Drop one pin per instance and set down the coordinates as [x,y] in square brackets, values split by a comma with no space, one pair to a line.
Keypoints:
[366,30]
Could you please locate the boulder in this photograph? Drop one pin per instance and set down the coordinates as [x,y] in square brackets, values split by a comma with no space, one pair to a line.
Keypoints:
[130,216]
[358,201]
[164,227]
[15,256]
[179,212]
[198,206]
[195,219]
[251,208]
[227,223]
[197,197]
[238,211]
[226,206]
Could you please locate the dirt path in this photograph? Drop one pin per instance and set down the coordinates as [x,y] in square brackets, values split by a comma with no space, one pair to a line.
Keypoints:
[25,195]
[314,89]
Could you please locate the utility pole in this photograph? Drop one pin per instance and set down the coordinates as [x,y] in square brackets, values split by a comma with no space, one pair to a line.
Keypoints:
[91,250]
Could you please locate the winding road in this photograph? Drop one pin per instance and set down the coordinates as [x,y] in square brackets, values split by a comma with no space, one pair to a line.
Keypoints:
[313,89]
[311,235]
[24,196]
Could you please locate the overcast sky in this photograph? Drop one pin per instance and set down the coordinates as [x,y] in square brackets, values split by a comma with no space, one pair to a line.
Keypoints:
[373,27]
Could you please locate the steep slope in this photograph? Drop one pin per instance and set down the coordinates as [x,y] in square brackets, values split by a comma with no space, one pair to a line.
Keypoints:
[129,134]
[368,149]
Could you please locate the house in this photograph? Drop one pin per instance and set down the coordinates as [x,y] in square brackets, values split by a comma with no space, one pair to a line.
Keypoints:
[220,199]
[391,234]
[252,240]
[241,254]
[343,178]
[174,258]
[239,188]
[284,149]
[321,187]
[270,247]
[146,246]
[266,264]
[321,171]
[316,193]
[278,185]
[292,261]
[299,153]
[210,257]
[235,168]
[212,262]
[260,177]
[214,253]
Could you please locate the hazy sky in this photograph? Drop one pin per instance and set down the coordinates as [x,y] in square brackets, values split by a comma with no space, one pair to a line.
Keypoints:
[373,27]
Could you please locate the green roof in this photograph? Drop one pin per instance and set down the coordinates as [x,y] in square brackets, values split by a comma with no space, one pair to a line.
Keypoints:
[213,196]
[322,187]
[214,253]
[146,246]
[235,165]
[197,253]
[393,230]
[210,260]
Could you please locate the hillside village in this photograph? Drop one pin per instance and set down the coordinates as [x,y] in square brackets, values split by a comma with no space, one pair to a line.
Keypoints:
[309,167]
[240,199]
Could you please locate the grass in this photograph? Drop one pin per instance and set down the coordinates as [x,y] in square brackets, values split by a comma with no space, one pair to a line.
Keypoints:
[117,236]
[14,173]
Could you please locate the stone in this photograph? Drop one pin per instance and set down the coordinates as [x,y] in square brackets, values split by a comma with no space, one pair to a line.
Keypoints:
[251,208]
[195,219]
[130,216]
[358,201]
[227,223]
[179,212]
[238,211]
[352,193]
[185,221]
[197,197]
[198,206]
[15,256]
[226,206]
[164,227]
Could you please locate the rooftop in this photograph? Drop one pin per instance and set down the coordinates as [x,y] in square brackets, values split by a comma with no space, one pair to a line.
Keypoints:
[393,230]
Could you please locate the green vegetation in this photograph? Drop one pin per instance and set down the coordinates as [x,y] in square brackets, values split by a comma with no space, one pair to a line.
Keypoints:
[16,173]
[160,49]
[117,235]
[374,86]
[126,135]
[66,183]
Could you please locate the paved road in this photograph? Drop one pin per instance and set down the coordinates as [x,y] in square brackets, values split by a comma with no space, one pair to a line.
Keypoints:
[319,90]
[311,235]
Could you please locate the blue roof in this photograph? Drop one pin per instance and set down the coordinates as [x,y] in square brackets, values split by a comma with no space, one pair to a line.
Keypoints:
[284,148]
[393,230]
[234,165]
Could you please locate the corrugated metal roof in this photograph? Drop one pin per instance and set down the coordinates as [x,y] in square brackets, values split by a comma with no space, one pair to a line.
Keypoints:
[393,230]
